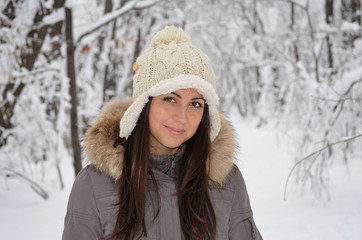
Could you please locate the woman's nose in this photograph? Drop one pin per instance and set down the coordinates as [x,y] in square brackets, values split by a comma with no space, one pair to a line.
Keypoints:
[180,114]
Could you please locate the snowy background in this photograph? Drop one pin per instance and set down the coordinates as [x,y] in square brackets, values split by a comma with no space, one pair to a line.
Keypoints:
[289,77]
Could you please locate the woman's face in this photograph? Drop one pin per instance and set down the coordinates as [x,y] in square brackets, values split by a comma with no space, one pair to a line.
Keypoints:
[174,119]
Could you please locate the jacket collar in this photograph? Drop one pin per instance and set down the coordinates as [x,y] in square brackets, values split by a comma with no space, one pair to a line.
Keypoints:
[166,163]
[100,137]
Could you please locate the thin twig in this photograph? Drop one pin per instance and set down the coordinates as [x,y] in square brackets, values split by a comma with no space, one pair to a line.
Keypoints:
[109,17]
[36,187]
[336,100]
[314,153]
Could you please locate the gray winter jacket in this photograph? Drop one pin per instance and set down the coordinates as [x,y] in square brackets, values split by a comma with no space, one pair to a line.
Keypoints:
[92,208]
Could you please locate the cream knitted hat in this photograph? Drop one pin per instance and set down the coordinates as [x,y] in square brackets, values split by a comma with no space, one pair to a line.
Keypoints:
[169,64]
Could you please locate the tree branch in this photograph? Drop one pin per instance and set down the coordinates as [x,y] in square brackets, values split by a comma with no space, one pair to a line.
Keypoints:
[36,187]
[319,151]
[109,17]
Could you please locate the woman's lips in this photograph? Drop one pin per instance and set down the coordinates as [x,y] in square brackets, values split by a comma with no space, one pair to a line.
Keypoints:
[175,131]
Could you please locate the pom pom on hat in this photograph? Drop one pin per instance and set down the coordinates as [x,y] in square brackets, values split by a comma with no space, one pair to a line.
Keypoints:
[169,34]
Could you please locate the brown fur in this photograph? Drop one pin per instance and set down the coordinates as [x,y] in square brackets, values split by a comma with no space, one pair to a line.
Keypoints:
[102,134]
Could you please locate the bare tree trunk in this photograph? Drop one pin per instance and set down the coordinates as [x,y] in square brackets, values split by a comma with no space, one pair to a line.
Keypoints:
[109,81]
[329,21]
[72,91]
[108,7]
[351,10]
[356,14]
[60,176]
[137,49]
[292,17]
[360,13]
[255,97]
[255,13]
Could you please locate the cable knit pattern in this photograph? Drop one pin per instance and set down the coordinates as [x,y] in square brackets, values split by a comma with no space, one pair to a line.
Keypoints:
[170,54]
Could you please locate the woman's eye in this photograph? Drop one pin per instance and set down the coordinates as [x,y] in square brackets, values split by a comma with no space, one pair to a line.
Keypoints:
[169,99]
[196,104]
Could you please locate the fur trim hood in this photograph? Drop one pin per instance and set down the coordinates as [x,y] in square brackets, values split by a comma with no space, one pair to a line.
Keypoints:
[100,137]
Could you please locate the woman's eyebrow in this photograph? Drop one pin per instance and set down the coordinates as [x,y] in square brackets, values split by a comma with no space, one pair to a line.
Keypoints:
[196,98]
[177,95]
[199,98]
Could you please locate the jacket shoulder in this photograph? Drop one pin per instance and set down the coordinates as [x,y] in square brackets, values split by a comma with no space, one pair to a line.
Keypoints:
[240,201]
[82,217]
[92,194]
[101,181]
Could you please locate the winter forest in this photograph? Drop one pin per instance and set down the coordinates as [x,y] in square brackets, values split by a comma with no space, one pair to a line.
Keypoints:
[294,66]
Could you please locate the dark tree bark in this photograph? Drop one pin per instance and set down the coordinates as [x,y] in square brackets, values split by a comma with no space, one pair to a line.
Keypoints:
[9,12]
[255,14]
[37,35]
[109,82]
[292,17]
[351,11]
[108,7]
[72,92]
[356,11]
[137,49]
[28,56]
[329,11]
[329,21]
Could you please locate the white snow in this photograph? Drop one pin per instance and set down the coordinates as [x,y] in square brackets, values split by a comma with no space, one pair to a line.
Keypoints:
[25,215]
[265,164]
[56,16]
[353,27]
[354,75]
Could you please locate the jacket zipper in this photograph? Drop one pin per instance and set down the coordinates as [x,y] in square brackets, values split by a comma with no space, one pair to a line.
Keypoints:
[252,229]
[172,163]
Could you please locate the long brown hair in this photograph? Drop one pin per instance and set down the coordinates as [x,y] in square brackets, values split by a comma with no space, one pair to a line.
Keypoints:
[197,216]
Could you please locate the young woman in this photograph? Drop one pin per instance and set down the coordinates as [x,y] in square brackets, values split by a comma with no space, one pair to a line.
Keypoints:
[161,165]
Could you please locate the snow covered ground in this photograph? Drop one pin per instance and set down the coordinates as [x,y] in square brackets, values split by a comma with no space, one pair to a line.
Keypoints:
[265,164]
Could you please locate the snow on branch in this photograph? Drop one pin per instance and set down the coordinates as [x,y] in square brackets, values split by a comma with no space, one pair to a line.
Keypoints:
[34,72]
[56,16]
[314,156]
[109,17]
